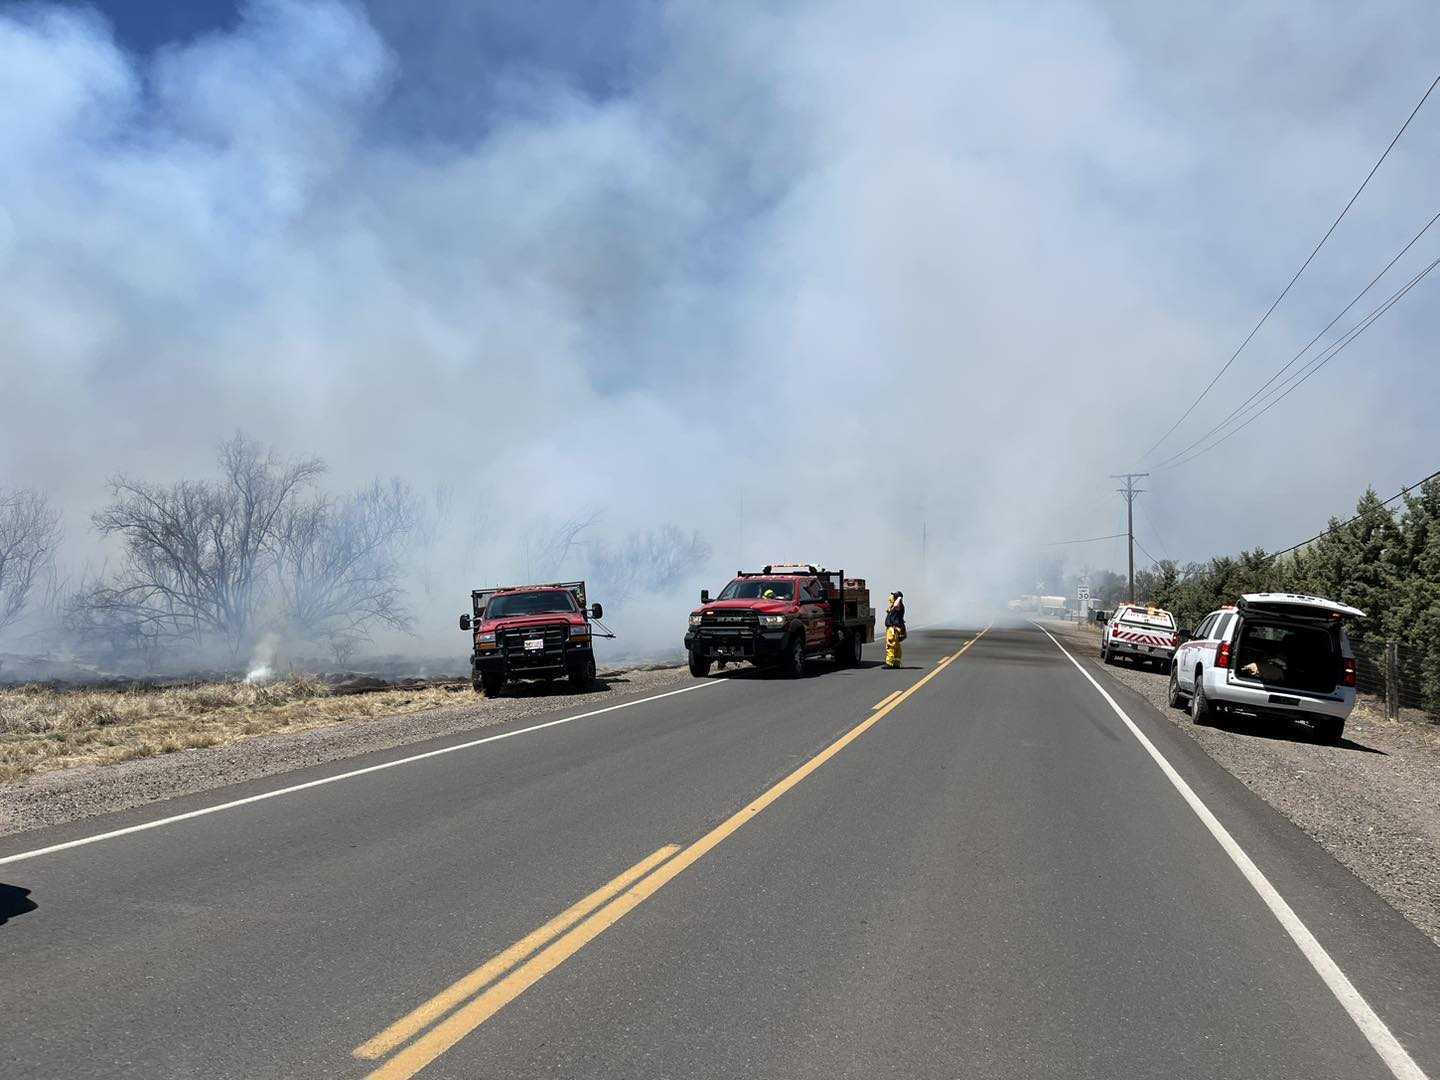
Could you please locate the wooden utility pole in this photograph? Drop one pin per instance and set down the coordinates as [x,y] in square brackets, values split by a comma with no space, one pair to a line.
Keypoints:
[1130,491]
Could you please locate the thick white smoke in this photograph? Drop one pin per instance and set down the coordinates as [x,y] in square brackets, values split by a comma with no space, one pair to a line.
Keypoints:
[892,289]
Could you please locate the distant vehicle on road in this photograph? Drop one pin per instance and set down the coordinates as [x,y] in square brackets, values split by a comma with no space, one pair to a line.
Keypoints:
[1272,655]
[530,632]
[782,616]
[1040,605]
[1144,634]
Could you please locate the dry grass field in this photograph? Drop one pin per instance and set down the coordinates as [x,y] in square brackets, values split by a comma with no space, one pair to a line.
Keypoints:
[43,728]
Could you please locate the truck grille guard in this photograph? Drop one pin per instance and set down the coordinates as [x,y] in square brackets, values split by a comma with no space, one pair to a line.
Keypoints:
[740,620]
[512,644]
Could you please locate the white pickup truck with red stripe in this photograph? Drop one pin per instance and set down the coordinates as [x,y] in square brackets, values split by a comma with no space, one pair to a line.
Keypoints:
[1141,633]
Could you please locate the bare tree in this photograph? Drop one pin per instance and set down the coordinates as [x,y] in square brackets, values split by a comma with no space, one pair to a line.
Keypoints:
[550,549]
[198,554]
[434,526]
[340,563]
[110,633]
[654,561]
[29,534]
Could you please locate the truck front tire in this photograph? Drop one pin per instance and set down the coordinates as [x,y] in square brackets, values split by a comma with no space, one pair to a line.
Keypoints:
[795,656]
[584,677]
[1199,706]
[491,685]
[699,665]
[1177,698]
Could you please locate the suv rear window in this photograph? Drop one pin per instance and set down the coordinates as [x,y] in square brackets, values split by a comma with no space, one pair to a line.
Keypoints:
[1290,655]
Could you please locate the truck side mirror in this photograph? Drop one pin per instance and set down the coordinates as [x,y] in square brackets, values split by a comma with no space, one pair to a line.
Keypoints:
[596,611]
[704,596]
[464,622]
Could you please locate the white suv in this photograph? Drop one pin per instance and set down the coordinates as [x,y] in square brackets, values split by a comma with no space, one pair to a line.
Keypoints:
[1145,634]
[1278,655]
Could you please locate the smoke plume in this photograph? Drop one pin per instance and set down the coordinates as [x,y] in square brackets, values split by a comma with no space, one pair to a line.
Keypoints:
[891,288]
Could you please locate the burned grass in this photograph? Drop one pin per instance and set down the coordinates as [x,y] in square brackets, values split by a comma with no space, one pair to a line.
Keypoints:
[43,728]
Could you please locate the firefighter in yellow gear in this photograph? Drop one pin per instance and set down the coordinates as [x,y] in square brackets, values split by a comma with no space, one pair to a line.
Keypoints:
[894,628]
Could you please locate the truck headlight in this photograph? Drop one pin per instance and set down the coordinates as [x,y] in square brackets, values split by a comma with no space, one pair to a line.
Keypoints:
[774,622]
[578,632]
[695,620]
[486,637]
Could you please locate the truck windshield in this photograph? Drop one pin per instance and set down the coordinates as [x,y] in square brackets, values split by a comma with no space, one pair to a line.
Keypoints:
[529,603]
[755,588]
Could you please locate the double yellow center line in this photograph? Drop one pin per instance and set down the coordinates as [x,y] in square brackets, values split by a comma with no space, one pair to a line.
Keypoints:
[561,937]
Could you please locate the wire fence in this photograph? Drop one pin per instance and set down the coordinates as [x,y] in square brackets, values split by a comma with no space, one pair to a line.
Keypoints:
[1400,677]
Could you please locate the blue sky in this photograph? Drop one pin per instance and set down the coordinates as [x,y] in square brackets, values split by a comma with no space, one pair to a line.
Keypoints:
[452,52]
[964,259]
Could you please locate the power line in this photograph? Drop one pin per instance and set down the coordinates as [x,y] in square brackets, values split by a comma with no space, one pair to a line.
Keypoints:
[1296,547]
[1154,561]
[1088,540]
[1324,357]
[1268,311]
[1350,521]
[1323,331]
[1151,522]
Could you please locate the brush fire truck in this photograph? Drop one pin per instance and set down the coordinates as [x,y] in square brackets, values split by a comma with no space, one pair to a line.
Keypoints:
[1144,634]
[530,632]
[782,616]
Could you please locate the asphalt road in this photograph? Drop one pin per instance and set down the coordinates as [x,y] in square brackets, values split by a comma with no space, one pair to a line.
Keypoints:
[990,877]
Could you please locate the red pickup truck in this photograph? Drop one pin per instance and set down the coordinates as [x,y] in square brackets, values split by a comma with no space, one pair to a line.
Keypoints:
[530,632]
[782,616]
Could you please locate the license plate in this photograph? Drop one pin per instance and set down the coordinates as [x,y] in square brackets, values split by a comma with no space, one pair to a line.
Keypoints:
[534,643]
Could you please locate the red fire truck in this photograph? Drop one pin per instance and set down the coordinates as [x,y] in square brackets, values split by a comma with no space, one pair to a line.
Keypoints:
[530,632]
[784,616]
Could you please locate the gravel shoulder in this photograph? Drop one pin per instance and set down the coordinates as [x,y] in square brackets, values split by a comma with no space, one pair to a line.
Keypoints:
[1372,801]
[53,798]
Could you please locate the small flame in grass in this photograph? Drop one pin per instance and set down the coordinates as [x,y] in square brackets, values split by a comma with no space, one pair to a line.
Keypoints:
[260,675]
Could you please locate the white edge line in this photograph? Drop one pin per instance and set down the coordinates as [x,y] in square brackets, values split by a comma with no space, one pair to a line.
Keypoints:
[1395,1056]
[112,834]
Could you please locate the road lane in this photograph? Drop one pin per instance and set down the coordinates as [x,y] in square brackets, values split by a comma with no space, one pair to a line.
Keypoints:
[417,1056]
[995,880]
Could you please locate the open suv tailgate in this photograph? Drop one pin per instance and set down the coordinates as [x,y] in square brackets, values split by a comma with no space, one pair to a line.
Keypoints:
[1295,606]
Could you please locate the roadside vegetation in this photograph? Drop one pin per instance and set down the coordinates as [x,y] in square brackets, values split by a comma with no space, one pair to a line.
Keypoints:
[258,562]
[43,728]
